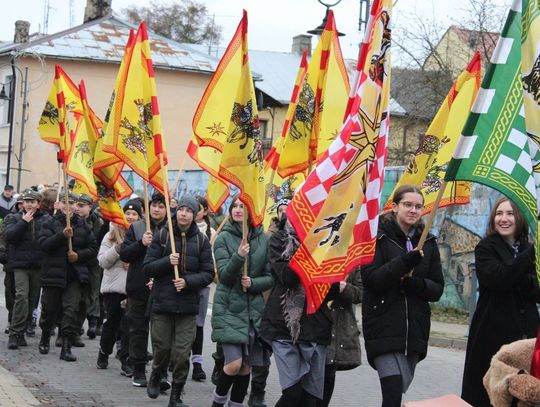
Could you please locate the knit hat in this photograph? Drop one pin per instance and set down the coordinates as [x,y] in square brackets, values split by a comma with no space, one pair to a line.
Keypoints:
[157,197]
[30,195]
[85,199]
[134,206]
[190,202]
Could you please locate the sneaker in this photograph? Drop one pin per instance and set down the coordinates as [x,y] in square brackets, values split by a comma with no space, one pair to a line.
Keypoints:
[102,360]
[13,342]
[139,375]
[126,369]
[22,340]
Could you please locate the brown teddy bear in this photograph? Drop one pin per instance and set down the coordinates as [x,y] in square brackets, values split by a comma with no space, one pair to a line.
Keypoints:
[508,376]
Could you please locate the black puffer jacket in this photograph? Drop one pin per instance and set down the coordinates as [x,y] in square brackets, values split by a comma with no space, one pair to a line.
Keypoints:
[196,268]
[316,327]
[56,270]
[395,320]
[132,251]
[22,238]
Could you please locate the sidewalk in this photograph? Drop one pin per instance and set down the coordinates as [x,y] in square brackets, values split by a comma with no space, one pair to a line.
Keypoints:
[446,335]
[13,393]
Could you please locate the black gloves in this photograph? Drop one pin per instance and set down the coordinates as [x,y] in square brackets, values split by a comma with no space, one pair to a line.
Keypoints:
[413,285]
[412,259]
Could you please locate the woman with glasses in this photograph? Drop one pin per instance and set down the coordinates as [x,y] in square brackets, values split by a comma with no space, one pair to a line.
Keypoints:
[398,287]
[506,308]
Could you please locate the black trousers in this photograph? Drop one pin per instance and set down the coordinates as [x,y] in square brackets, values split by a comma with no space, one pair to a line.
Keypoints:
[57,301]
[113,318]
[139,325]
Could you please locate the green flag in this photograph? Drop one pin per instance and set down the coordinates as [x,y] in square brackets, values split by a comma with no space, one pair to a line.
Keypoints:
[500,144]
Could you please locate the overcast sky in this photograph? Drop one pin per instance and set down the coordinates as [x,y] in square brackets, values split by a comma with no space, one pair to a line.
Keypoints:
[272,23]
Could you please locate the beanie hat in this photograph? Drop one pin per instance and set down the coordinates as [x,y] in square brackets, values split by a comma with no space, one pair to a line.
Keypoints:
[157,197]
[134,206]
[189,202]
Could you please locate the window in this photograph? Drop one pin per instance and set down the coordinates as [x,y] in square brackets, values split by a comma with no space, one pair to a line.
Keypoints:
[6,105]
[263,127]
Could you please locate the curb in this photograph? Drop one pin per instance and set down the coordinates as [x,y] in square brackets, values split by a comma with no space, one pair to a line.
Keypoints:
[13,393]
[444,342]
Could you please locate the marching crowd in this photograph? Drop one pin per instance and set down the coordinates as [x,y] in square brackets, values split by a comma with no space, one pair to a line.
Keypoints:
[64,265]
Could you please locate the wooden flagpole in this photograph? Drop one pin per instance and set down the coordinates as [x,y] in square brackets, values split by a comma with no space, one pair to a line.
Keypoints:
[432,214]
[67,208]
[164,175]
[219,229]
[244,237]
[178,177]
[146,206]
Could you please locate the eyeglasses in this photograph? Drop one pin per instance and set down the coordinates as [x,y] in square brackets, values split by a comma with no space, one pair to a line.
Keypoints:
[410,205]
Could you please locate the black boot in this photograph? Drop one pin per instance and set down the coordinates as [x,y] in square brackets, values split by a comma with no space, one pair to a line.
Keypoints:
[65,353]
[102,360]
[176,394]
[22,340]
[198,373]
[139,375]
[153,386]
[59,340]
[13,342]
[77,342]
[44,342]
[92,326]
[218,367]
[256,400]
[164,383]
[126,369]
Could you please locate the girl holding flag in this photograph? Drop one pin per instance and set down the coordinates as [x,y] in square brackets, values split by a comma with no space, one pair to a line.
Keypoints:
[398,287]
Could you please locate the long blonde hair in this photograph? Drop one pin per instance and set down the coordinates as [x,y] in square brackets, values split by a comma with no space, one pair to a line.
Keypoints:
[117,233]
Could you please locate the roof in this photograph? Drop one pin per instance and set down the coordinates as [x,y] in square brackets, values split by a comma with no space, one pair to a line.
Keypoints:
[104,40]
[278,72]
[483,41]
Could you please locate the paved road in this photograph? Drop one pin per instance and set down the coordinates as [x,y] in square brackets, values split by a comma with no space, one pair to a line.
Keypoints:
[61,384]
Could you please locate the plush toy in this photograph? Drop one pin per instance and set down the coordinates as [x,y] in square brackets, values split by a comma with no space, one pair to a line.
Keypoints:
[508,378]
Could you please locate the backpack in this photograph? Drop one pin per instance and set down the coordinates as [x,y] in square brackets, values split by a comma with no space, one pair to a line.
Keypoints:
[164,238]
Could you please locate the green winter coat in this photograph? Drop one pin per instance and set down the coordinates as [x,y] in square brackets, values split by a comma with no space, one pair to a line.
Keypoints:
[233,308]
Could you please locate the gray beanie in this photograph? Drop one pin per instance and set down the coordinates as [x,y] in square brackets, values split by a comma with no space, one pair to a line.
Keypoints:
[190,202]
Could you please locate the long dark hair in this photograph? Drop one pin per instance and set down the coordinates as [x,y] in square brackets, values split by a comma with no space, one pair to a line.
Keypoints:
[204,203]
[522,229]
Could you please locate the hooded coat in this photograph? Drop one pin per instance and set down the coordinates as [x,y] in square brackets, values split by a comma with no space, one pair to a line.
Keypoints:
[233,309]
[505,312]
[394,320]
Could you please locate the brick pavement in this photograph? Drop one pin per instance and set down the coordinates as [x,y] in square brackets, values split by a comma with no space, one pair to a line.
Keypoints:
[80,384]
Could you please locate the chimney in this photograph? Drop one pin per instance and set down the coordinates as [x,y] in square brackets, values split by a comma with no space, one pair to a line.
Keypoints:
[96,9]
[300,43]
[22,31]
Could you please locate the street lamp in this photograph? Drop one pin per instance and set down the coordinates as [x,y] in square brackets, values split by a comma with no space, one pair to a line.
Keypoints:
[11,99]
[318,30]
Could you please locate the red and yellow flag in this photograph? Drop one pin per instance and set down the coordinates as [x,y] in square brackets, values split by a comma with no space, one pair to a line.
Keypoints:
[335,212]
[320,108]
[209,159]
[63,98]
[276,186]
[134,132]
[428,167]
[80,166]
[107,166]
[227,120]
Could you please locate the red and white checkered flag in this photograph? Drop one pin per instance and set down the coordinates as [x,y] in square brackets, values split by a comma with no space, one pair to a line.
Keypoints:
[335,212]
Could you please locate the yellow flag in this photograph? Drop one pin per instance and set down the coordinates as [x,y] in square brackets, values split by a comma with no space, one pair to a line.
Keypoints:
[107,166]
[428,167]
[227,121]
[321,106]
[134,132]
[209,159]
